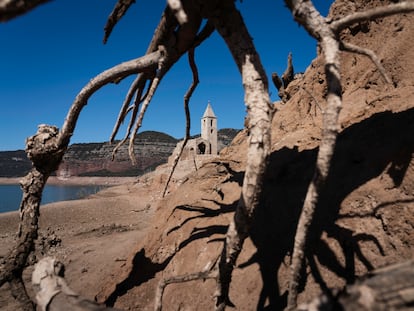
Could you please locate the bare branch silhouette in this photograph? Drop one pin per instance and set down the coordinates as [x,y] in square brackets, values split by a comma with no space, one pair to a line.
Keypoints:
[187,98]
[349,47]
[121,7]
[327,35]
[10,9]
[371,14]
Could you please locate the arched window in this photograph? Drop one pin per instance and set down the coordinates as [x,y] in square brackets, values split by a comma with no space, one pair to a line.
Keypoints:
[201,148]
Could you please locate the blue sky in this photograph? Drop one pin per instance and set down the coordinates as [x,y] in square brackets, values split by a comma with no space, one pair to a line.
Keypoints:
[49,54]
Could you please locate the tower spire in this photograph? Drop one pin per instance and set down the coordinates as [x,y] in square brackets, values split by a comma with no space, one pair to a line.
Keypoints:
[209,113]
[209,129]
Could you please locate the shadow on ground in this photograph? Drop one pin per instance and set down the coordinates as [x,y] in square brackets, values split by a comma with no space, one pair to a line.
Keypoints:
[384,142]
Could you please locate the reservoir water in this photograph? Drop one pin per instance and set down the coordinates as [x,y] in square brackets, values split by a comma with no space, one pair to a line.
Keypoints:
[11,195]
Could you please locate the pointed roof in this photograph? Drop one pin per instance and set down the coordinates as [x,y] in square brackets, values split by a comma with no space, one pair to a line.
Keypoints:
[209,113]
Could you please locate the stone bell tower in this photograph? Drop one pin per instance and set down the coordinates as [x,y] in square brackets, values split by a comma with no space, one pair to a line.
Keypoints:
[209,132]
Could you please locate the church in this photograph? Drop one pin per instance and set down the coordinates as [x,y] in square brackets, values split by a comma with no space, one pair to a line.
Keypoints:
[205,146]
[207,143]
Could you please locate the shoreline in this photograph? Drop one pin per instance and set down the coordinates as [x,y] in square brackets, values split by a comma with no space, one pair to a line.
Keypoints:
[75,181]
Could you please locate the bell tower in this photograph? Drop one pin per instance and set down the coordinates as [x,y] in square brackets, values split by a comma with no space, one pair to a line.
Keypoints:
[209,130]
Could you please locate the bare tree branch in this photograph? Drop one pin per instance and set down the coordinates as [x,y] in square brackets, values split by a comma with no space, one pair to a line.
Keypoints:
[121,7]
[187,98]
[136,89]
[207,30]
[131,123]
[10,9]
[44,152]
[229,23]
[288,75]
[388,288]
[117,72]
[47,147]
[54,294]
[282,83]
[203,275]
[162,70]
[186,38]
[315,24]
[371,14]
[165,28]
[313,97]
[327,35]
[177,8]
[349,47]
[277,82]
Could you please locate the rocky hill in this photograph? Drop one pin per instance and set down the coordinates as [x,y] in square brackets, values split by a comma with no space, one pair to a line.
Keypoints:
[151,149]
[14,163]
[95,159]
[364,219]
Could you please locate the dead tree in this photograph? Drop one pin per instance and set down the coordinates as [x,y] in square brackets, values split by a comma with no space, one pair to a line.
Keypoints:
[230,25]
[170,41]
[388,288]
[282,83]
[53,293]
[46,150]
[327,34]
[178,32]
[45,153]
[187,97]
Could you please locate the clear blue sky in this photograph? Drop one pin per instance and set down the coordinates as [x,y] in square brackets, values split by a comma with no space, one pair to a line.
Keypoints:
[49,54]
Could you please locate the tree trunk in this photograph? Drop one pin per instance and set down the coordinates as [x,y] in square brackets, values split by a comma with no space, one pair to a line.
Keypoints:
[389,288]
[42,150]
[229,23]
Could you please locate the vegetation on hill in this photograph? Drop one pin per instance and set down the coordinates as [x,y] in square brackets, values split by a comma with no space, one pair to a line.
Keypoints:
[14,163]
[91,159]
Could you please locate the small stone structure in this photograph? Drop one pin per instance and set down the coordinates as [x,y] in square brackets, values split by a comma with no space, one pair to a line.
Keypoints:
[199,149]
[207,143]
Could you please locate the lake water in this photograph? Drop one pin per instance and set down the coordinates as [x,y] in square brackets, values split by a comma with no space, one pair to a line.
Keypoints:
[11,195]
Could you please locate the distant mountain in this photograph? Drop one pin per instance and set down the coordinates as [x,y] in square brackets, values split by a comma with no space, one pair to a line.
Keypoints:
[225,137]
[95,159]
[14,163]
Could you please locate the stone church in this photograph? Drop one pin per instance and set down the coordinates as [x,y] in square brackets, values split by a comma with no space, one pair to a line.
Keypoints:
[207,143]
[204,147]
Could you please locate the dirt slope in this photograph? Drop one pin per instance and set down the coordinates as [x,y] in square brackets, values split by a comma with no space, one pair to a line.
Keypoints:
[119,244]
[364,219]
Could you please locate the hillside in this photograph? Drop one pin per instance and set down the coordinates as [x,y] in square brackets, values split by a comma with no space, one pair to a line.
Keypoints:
[364,219]
[130,238]
[14,163]
[95,159]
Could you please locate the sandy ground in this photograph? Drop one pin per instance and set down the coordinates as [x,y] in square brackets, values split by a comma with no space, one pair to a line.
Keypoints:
[92,236]
[364,219]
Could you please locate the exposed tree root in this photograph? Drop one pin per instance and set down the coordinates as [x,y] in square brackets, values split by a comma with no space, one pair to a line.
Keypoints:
[208,273]
[45,155]
[176,34]
[231,27]
[348,47]
[187,98]
[282,83]
[327,35]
